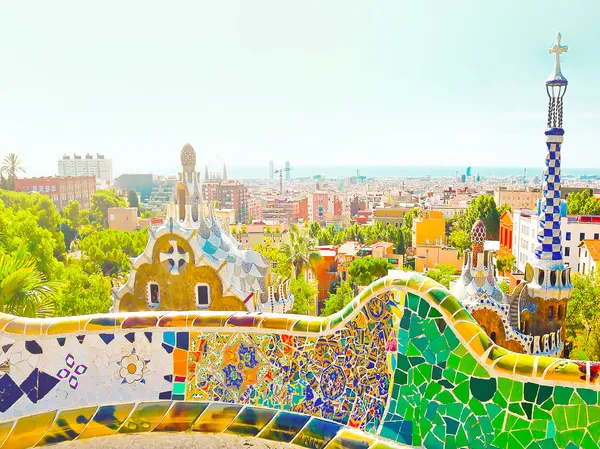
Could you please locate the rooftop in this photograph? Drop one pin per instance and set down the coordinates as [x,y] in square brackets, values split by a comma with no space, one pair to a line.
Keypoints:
[593,246]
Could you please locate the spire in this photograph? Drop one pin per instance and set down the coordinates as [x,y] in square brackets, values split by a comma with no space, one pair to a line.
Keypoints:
[224,172]
[548,253]
[478,232]
[188,158]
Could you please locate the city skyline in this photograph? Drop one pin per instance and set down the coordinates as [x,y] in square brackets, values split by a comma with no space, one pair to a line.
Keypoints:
[423,84]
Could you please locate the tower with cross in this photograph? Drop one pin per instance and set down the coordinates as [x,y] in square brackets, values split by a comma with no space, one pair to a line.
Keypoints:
[540,309]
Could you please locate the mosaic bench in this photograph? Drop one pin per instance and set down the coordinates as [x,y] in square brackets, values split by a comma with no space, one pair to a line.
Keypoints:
[403,364]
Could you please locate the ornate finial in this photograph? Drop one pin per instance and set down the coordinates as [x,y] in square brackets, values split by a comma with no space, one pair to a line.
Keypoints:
[557,78]
[188,158]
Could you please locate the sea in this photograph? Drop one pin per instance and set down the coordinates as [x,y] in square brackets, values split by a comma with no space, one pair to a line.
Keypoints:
[406,171]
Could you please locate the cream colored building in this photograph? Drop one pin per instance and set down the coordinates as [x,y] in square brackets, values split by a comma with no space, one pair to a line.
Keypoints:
[262,232]
[589,255]
[123,218]
[428,256]
[391,215]
[518,199]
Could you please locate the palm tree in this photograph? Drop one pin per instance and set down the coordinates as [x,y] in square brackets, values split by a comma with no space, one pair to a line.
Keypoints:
[300,250]
[11,166]
[24,290]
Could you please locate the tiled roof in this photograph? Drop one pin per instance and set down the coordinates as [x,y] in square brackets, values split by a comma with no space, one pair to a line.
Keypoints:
[593,246]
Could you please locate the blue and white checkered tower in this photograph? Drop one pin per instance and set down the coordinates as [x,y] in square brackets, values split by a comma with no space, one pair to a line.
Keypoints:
[548,253]
[550,278]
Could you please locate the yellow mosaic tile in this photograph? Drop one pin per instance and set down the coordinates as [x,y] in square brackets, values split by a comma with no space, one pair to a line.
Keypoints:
[180,417]
[68,425]
[564,370]
[277,322]
[5,319]
[107,420]
[351,438]
[216,418]
[145,417]
[524,365]
[29,430]
[5,429]
[16,326]
[174,320]
[68,325]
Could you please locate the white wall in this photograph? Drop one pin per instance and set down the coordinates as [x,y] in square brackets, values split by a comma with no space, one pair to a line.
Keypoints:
[525,238]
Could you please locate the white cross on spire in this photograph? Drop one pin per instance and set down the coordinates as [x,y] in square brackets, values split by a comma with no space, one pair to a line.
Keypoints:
[175,256]
[557,49]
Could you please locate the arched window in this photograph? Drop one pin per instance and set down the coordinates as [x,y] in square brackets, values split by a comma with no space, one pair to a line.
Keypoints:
[550,314]
[153,294]
[493,336]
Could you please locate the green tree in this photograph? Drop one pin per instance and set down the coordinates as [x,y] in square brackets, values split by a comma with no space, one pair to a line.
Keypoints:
[367,269]
[108,251]
[20,229]
[132,198]
[300,250]
[314,230]
[338,300]
[24,290]
[101,201]
[400,248]
[406,228]
[281,265]
[583,316]
[12,166]
[506,264]
[304,295]
[442,274]
[482,208]
[583,203]
[460,239]
[43,211]
[84,293]
[505,207]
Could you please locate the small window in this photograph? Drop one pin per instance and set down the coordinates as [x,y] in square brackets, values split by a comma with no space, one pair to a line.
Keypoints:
[153,297]
[568,236]
[567,251]
[596,236]
[581,236]
[493,336]
[559,313]
[202,296]
[550,314]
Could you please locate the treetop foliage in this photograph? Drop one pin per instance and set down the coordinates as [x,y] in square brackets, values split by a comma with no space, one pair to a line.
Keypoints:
[583,203]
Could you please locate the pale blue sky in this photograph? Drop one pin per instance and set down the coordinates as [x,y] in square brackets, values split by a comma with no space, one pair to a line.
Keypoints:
[316,82]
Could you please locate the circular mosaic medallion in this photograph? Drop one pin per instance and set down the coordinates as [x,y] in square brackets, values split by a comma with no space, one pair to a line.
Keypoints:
[333,382]
[375,308]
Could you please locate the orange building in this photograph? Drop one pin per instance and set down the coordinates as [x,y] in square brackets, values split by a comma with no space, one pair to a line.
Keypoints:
[506,234]
[325,272]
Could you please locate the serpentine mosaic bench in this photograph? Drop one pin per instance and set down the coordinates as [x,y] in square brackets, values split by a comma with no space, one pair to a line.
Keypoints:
[403,364]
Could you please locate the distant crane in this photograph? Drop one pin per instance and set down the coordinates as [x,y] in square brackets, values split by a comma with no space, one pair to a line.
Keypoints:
[280,171]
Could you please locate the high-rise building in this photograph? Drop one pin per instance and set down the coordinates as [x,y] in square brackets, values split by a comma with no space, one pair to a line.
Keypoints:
[229,195]
[288,175]
[271,170]
[99,167]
